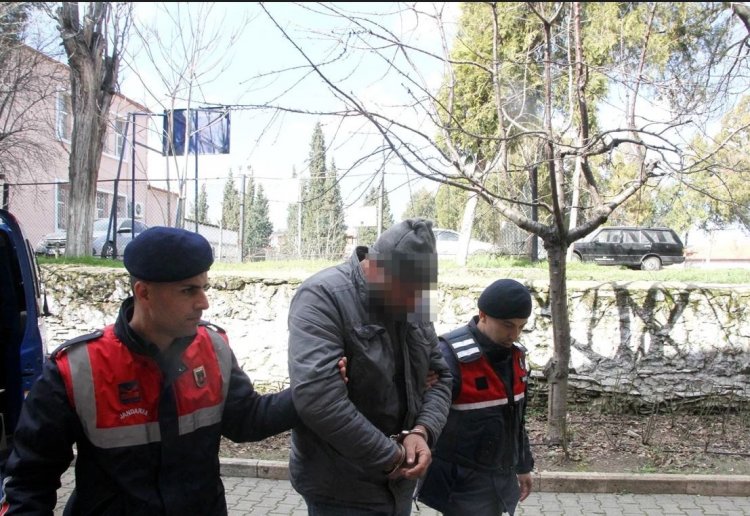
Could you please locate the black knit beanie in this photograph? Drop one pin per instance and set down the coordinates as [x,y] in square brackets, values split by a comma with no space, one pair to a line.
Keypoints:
[407,251]
[506,299]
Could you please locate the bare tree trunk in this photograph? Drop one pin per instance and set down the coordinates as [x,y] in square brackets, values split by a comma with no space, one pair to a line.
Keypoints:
[86,149]
[94,58]
[467,224]
[556,370]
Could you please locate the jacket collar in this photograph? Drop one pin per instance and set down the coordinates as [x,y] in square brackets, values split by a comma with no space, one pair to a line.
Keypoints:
[138,344]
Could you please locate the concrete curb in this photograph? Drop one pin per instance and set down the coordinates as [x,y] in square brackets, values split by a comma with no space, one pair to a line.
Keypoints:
[556,481]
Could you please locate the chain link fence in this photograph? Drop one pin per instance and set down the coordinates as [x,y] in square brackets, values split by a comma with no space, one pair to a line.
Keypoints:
[42,209]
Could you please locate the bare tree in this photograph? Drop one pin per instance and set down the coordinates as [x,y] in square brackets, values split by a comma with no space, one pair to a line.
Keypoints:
[500,111]
[183,52]
[27,83]
[94,46]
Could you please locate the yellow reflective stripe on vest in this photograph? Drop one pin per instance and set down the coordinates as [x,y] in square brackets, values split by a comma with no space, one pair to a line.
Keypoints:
[211,415]
[85,401]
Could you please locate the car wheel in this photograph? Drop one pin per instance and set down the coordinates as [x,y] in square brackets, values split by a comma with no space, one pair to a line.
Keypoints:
[108,250]
[575,257]
[652,263]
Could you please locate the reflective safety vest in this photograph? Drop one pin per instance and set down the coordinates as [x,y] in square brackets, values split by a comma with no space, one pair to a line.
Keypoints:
[481,387]
[117,393]
[484,427]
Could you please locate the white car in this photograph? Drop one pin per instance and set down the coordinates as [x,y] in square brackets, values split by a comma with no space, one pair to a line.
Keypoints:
[447,243]
[53,244]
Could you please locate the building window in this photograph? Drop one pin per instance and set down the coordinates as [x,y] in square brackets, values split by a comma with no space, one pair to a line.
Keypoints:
[121,206]
[102,208]
[102,203]
[64,119]
[61,206]
[121,137]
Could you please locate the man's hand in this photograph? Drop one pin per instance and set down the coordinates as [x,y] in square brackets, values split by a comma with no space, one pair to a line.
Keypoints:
[525,483]
[342,369]
[418,456]
[432,378]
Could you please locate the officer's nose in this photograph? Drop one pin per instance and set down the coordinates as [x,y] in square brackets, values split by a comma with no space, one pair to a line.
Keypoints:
[203,300]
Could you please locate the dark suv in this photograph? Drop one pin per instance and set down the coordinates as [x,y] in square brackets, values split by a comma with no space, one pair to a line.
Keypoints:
[22,336]
[647,248]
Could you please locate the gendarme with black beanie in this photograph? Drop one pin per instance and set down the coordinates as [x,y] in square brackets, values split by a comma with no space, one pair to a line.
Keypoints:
[482,461]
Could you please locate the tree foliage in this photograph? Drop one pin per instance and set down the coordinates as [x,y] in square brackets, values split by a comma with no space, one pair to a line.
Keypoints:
[230,205]
[421,205]
[258,228]
[716,193]
[556,115]
[323,230]
[201,214]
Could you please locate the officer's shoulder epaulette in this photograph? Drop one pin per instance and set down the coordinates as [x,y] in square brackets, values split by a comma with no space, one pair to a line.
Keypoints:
[78,340]
[212,326]
[463,344]
[457,334]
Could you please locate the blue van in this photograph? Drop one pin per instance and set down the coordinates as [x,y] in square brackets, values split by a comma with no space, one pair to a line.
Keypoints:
[22,335]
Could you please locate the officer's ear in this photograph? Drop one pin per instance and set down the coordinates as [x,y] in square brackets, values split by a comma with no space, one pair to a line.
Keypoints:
[141,290]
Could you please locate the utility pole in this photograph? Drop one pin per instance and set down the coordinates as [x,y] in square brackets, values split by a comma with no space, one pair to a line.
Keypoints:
[382,193]
[299,215]
[242,219]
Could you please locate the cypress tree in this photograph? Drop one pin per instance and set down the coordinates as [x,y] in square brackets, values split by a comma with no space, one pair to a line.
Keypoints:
[314,219]
[336,236]
[230,205]
[259,228]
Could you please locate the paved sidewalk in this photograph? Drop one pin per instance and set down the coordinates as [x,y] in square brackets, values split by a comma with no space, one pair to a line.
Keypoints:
[252,496]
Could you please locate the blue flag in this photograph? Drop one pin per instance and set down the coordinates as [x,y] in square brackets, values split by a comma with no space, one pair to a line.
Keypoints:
[209,131]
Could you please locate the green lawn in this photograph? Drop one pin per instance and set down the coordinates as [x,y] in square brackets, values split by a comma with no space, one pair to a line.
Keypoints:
[479,267]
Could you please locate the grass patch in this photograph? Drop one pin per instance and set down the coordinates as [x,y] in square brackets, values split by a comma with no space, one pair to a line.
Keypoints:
[84,261]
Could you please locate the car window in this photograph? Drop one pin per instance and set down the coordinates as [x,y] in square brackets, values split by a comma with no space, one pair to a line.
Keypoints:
[447,236]
[609,235]
[660,236]
[630,236]
[100,225]
[126,224]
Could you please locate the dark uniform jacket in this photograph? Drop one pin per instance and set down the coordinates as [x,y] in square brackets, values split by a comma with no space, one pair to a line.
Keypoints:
[340,452]
[484,443]
[486,425]
[146,425]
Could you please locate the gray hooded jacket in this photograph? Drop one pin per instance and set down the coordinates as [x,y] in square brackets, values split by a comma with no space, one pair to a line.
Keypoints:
[340,452]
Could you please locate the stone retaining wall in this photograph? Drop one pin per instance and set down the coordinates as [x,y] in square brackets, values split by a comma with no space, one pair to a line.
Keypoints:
[653,342]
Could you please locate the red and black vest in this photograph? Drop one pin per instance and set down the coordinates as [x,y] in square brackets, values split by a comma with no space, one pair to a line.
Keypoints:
[116,393]
[484,427]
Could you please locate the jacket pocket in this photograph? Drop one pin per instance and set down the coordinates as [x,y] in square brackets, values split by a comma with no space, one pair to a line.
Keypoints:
[370,365]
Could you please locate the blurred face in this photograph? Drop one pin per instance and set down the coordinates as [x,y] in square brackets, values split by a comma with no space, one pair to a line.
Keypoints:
[397,296]
[167,311]
[503,332]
